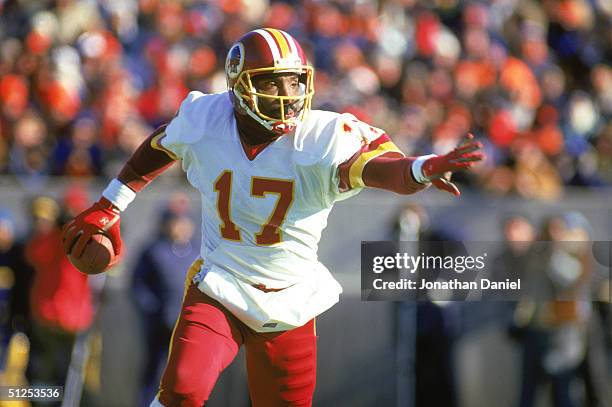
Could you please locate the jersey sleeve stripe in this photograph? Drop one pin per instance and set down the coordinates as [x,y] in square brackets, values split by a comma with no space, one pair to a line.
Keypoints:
[156,144]
[356,169]
[374,144]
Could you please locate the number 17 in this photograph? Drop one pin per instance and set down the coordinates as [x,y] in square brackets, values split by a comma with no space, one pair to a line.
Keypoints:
[270,232]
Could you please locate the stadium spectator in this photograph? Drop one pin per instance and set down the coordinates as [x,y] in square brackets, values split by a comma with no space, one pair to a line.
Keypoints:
[158,285]
[29,154]
[436,322]
[60,298]
[517,254]
[80,155]
[556,318]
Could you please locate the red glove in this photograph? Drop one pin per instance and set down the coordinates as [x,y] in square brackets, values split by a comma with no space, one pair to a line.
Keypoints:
[439,169]
[101,218]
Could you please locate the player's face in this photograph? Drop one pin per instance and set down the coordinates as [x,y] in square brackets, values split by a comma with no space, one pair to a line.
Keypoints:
[282,84]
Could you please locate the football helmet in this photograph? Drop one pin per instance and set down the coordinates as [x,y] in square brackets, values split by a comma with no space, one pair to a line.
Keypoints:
[263,52]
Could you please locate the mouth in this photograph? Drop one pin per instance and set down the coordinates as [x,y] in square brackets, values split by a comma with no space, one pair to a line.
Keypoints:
[290,111]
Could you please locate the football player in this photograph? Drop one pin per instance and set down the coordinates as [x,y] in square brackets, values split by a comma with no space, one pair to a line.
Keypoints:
[269,170]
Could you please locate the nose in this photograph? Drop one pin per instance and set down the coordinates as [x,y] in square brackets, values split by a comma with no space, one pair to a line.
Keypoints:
[283,89]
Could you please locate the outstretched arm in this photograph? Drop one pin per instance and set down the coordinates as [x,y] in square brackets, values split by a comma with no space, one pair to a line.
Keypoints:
[407,175]
[103,217]
[392,174]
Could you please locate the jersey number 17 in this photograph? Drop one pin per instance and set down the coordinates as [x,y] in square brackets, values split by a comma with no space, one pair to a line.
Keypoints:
[270,232]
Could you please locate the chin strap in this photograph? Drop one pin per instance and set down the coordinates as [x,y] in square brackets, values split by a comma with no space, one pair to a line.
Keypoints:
[278,128]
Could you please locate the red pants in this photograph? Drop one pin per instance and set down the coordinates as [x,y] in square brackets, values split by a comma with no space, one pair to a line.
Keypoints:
[281,366]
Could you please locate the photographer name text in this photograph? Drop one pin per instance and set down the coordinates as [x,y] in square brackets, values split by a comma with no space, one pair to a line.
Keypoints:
[455,284]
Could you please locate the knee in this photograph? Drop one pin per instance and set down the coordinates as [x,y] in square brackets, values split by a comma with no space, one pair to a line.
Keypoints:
[184,385]
[296,380]
[298,383]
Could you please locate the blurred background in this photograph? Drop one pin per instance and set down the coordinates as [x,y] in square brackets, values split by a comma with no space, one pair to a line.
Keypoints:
[82,83]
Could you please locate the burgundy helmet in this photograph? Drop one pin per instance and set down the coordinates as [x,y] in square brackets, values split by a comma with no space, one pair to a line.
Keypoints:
[266,51]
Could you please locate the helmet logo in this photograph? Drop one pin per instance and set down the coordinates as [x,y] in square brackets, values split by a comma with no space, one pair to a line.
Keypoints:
[235,61]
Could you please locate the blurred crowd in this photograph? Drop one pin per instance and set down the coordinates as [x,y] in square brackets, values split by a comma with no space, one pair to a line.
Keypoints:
[83,82]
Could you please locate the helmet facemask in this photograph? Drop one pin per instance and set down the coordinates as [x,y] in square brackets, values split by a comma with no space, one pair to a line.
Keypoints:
[290,110]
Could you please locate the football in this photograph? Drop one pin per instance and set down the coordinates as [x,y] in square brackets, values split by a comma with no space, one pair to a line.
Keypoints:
[97,256]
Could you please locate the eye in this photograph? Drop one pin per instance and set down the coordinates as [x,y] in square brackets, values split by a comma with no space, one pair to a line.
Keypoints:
[265,84]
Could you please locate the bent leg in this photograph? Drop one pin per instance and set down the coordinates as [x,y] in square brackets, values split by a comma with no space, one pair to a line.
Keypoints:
[205,341]
[282,367]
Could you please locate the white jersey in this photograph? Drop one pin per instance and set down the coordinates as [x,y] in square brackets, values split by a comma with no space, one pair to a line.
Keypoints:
[262,219]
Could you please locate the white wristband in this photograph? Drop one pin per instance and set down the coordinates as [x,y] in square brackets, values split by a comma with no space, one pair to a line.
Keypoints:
[119,194]
[417,168]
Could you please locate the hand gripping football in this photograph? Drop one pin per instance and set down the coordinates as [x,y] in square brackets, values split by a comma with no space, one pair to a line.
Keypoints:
[92,240]
[97,256]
